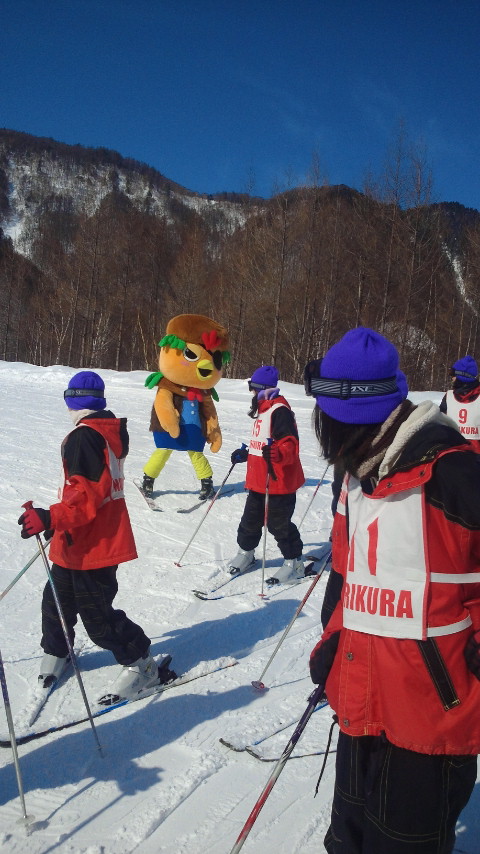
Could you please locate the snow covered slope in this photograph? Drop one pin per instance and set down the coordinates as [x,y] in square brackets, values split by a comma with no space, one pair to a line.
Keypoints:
[165,784]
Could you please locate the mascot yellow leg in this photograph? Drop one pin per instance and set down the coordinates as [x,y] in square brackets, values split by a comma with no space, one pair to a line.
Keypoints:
[200,464]
[161,456]
[156,462]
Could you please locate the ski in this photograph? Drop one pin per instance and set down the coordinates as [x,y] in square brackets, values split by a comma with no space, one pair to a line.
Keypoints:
[98,711]
[250,748]
[40,695]
[209,595]
[277,589]
[150,502]
[256,755]
[310,572]
[202,503]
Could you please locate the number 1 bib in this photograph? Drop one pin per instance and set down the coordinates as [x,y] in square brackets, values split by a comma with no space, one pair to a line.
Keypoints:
[387,578]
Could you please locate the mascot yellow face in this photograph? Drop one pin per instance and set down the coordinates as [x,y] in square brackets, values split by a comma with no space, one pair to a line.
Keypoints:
[194,351]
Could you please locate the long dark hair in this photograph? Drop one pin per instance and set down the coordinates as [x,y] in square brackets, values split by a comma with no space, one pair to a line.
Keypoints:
[347,444]
[253,411]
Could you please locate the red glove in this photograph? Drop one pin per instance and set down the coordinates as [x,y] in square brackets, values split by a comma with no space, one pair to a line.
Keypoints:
[472,654]
[34,521]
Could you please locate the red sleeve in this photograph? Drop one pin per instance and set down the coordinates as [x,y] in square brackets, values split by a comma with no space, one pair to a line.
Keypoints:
[80,501]
[288,448]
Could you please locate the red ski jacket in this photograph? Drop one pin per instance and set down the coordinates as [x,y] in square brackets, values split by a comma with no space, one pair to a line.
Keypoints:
[91,523]
[275,420]
[421,520]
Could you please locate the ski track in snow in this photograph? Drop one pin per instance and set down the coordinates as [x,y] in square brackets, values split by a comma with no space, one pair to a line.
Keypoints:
[165,785]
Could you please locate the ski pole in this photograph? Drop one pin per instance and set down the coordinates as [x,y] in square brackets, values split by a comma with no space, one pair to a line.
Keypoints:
[202,520]
[265,517]
[13,740]
[17,577]
[313,701]
[258,684]
[313,496]
[71,653]
[265,523]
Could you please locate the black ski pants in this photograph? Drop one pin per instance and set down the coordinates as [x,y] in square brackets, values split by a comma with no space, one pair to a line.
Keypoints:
[89,593]
[279,523]
[393,801]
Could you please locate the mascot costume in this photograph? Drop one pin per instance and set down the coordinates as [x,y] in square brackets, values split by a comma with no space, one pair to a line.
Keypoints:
[193,353]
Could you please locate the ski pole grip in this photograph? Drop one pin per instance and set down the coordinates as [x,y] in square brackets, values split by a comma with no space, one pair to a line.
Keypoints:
[27,505]
[270,468]
[243,447]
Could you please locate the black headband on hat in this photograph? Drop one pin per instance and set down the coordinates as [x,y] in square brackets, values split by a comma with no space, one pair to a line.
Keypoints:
[257,386]
[83,392]
[344,389]
[457,373]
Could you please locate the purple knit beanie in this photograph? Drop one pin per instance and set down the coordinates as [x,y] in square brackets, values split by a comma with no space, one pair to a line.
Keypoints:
[466,370]
[363,367]
[85,391]
[266,377]
[402,384]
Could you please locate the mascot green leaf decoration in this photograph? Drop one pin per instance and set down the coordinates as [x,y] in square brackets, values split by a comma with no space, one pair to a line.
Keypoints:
[153,379]
[172,341]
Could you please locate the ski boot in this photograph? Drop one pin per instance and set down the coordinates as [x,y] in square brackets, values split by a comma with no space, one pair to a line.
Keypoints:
[164,673]
[206,490]
[290,572]
[139,677]
[147,485]
[51,669]
[241,562]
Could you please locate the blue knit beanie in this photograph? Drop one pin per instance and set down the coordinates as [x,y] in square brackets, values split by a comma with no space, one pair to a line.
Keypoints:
[466,370]
[85,391]
[402,384]
[366,390]
[266,376]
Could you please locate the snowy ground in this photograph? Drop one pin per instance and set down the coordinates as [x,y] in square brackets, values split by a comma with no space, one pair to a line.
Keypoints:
[165,785]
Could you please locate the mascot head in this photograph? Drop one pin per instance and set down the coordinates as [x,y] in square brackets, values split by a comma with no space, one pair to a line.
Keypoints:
[193,351]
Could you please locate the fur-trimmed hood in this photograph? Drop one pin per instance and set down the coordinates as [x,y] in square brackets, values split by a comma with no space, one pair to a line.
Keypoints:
[423,415]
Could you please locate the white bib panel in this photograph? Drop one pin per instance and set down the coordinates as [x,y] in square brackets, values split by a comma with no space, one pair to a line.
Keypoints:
[387,577]
[261,430]
[465,415]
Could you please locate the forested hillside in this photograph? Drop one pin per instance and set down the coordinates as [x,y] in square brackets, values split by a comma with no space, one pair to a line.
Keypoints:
[98,251]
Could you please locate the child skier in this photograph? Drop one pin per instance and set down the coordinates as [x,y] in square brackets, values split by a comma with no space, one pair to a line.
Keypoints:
[462,401]
[274,453]
[91,536]
[400,655]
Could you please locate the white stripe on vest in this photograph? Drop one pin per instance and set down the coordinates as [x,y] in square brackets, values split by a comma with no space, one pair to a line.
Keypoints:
[387,579]
[115,467]
[261,430]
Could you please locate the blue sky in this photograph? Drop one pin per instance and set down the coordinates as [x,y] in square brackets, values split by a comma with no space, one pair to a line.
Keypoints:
[239,95]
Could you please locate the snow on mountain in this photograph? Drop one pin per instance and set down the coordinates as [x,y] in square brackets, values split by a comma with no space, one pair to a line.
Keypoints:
[63,177]
[165,784]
